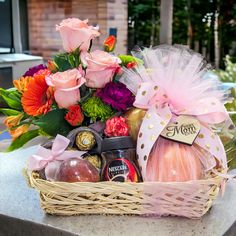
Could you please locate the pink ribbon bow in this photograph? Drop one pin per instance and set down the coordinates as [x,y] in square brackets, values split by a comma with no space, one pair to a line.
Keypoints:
[160,112]
[50,159]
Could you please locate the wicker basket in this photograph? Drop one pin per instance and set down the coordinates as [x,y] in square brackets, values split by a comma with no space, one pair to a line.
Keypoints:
[189,199]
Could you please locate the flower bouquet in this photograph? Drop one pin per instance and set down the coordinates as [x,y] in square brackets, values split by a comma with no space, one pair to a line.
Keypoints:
[141,131]
[74,89]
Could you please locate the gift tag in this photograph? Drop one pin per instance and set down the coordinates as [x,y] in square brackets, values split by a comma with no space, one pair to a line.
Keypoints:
[184,130]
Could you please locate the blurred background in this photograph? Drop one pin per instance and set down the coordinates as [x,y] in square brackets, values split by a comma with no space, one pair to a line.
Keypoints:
[207,26]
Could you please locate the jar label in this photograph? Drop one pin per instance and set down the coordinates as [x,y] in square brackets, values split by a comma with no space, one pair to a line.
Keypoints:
[120,170]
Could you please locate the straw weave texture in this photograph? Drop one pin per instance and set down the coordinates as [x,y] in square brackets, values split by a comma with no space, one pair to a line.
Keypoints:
[190,199]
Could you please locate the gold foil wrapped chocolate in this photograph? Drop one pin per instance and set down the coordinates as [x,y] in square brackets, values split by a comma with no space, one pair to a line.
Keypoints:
[134,117]
[85,140]
[95,160]
[71,149]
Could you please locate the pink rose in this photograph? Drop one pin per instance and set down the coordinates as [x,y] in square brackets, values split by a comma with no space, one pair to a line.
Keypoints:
[101,67]
[76,33]
[66,85]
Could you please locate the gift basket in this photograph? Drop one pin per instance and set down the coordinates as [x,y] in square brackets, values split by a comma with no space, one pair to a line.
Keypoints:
[131,134]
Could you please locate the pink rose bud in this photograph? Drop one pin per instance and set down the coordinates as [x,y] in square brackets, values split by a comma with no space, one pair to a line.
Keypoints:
[76,33]
[110,43]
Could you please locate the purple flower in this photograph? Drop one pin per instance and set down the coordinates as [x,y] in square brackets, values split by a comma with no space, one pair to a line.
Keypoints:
[116,95]
[32,70]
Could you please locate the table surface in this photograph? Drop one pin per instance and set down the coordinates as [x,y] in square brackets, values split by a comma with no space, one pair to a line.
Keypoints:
[20,202]
[16,57]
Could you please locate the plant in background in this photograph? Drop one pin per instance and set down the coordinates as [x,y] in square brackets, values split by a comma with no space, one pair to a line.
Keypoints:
[228,135]
[229,76]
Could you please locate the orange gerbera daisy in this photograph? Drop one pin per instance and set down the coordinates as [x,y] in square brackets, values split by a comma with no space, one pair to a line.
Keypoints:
[38,98]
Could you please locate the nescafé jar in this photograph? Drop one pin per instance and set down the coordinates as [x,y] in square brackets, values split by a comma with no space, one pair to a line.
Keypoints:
[119,160]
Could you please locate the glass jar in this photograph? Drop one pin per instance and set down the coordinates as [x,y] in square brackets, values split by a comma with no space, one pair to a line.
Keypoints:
[119,160]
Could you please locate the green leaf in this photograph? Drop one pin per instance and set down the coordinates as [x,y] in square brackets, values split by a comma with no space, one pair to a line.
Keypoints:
[71,60]
[77,58]
[12,98]
[53,123]
[23,139]
[67,61]
[230,149]
[13,89]
[77,51]
[127,59]
[9,112]
[62,62]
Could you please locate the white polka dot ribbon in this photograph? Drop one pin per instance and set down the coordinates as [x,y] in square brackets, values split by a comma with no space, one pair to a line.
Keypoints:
[151,97]
[153,124]
[158,115]
[211,142]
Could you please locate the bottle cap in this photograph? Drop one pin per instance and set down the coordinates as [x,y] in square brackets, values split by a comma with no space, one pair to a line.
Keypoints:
[114,143]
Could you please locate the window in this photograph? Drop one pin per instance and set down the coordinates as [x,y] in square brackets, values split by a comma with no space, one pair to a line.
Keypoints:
[6,39]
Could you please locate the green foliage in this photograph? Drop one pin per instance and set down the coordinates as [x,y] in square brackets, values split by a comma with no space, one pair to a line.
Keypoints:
[94,108]
[180,22]
[229,76]
[67,61]
[9,112]
[189,23]
[227,30]
[230,149]
[127,59]
[144,22]
[231,105]
[12,97]
[193,24]
[23,139]
[228,138]
[53,123]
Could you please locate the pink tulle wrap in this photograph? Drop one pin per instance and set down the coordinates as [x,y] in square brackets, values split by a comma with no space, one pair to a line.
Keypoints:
[173,81]
[176,162]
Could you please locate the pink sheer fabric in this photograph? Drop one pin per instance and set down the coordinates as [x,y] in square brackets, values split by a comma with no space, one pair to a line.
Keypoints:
[175,162]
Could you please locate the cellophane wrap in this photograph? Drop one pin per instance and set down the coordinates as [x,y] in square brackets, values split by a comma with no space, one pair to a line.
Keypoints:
[173,81]
[177,162]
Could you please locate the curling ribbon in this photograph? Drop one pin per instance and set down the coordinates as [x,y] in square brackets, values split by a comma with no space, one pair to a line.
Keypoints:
[160,111]
[50,159]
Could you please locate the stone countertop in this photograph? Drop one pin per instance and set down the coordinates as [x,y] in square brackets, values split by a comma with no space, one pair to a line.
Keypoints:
[17,57]
[20,212]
